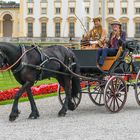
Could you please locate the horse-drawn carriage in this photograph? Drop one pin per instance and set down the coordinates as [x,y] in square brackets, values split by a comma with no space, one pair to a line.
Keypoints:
[105,85]
[109,84]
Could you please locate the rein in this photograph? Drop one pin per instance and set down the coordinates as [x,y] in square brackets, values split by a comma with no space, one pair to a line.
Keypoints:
[17,60]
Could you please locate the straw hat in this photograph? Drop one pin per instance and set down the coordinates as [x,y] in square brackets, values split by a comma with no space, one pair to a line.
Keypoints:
[116,22]
[97,18]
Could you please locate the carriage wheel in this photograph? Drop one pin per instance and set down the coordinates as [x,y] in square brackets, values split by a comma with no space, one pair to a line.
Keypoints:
[115,94]
[62,96]
[137,88]
[96,91]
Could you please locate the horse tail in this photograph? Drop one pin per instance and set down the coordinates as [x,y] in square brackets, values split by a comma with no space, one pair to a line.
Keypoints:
[75,80]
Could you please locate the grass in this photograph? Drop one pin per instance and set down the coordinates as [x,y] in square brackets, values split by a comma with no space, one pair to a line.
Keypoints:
[7,81]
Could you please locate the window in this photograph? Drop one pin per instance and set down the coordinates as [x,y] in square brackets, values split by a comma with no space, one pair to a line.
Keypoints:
[110,10]
[137,30]
[124,0]
[57,29]
[30,30]
[30,11]
[43,10]
[124,27]
[57,10]
[43,29]
[137,10]
[87,10]
[124,10]
[71,29]
[72,10]
[30,1]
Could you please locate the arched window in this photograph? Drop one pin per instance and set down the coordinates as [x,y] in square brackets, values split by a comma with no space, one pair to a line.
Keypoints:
[137,26]
[72,29]
[57,29]
[30,24]
[30,29]
[43,24]
[57,23]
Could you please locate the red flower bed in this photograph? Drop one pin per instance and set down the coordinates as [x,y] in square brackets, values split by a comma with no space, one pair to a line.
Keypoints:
[39,90]
[36,90]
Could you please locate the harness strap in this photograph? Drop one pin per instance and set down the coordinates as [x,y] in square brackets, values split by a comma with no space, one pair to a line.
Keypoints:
[42,55]
[20,67]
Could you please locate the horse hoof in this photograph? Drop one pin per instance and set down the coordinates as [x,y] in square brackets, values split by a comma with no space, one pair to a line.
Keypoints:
[33,116]
[61,114]
[13,117]
[71,106]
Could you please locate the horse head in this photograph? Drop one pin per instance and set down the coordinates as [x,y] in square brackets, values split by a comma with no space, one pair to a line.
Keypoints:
[3,60]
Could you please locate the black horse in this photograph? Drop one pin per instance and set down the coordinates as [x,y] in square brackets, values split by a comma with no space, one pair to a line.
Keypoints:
[27,76]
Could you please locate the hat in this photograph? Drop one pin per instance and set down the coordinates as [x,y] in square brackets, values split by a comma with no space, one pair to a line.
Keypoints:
[97,18]
[116,22]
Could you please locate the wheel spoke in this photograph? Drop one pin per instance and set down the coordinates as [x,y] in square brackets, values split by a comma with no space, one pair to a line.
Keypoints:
[120,99]
[110,89]
[111,102]
[74,101]
[116,83]
[117,103]
[100,98]
[112,85]
[118,87]
[96,97]
[108,98]
[95,94]
[121,89]
[114,104]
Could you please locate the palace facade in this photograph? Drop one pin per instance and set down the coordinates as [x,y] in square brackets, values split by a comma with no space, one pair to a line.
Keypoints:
[60,18]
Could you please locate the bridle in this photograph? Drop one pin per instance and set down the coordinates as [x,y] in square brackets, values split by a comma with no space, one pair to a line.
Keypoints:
[10,67]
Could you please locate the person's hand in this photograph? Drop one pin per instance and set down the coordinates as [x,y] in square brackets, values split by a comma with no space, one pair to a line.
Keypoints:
[93,42]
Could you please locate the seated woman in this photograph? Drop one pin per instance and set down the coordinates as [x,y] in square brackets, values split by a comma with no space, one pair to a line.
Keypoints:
[97,34]
[117,38]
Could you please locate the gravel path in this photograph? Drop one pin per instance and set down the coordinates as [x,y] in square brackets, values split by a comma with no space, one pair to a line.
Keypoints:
[88,122]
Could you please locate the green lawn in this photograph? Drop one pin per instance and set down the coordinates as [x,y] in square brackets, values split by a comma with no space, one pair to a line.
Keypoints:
[7,81]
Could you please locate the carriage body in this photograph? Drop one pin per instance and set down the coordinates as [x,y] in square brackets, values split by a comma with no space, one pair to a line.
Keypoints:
[111,82]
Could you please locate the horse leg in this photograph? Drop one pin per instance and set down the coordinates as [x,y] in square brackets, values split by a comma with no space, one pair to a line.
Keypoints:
[15,113]
[67,88]
[34,114]
[71,105]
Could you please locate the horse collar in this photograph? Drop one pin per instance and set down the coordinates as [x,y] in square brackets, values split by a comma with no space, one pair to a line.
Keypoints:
[20,66]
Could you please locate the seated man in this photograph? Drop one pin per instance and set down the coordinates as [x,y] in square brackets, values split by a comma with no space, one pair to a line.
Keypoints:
[116,39]
[97,34]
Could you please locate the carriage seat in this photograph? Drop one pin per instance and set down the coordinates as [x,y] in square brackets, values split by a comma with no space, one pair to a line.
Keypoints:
[110,60]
